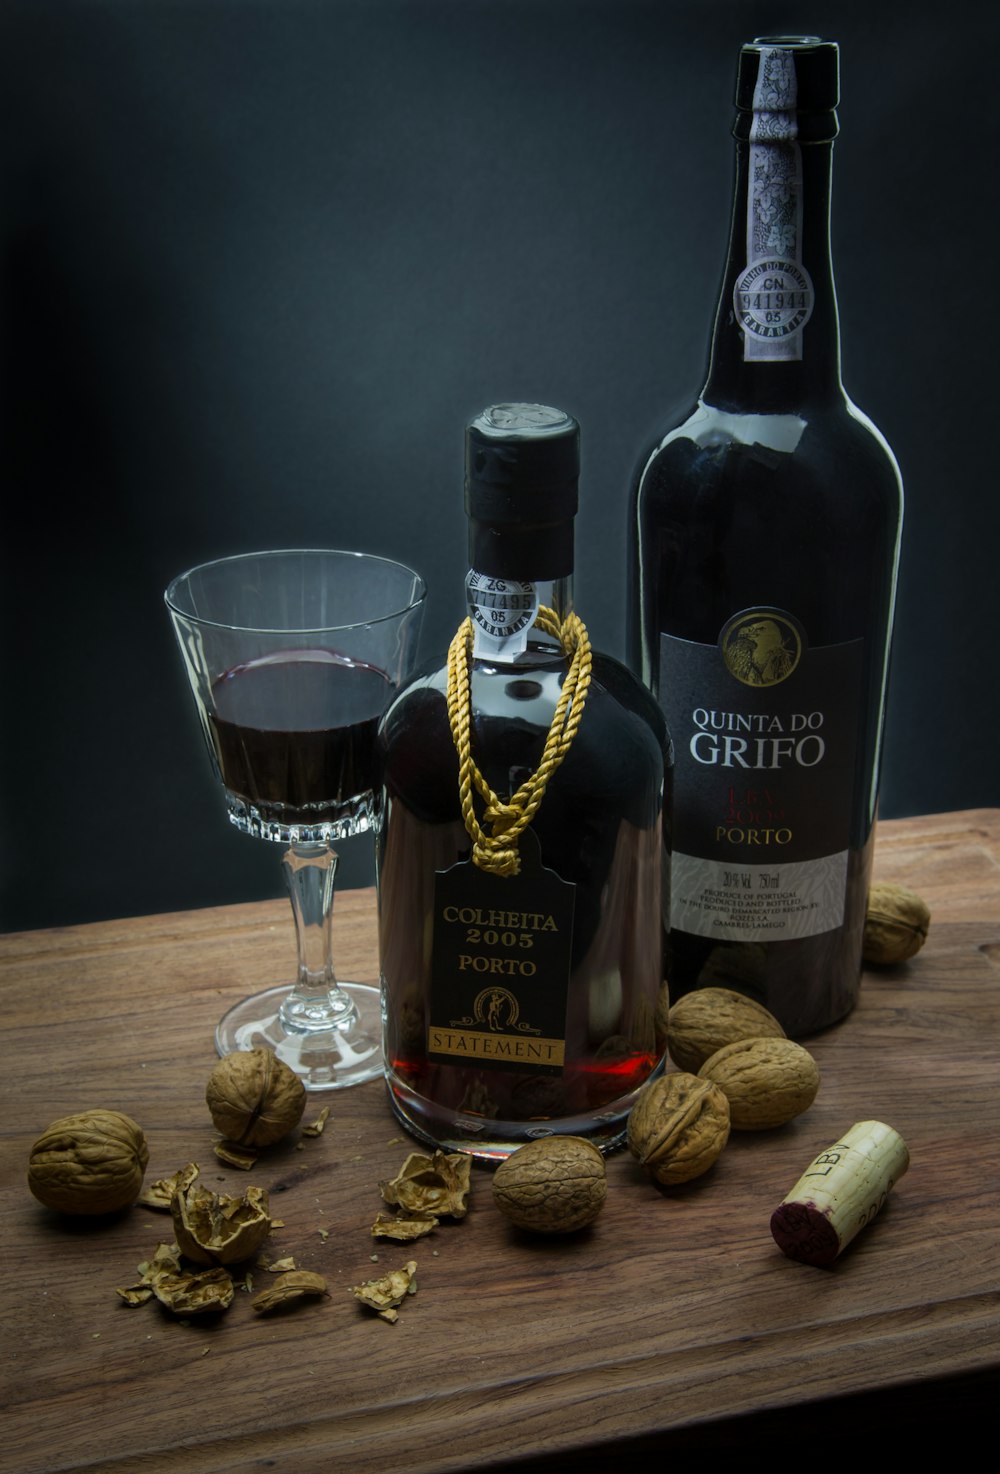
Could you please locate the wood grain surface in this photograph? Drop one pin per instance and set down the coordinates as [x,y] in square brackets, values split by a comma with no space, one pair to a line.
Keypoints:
[673,1319]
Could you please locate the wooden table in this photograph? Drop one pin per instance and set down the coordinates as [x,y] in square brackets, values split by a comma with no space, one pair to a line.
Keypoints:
[673,1324]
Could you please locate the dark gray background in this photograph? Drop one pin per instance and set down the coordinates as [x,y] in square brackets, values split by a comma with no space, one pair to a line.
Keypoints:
[263,258]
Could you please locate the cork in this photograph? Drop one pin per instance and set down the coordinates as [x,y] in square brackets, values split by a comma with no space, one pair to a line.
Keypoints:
[840,1192]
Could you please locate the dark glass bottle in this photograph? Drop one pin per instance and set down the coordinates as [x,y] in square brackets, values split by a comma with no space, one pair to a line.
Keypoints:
[765,536]
[520,1005]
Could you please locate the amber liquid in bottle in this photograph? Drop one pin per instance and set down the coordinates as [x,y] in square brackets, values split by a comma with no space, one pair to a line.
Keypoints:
[765,536]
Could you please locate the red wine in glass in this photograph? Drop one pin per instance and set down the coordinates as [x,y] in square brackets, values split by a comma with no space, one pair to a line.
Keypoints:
[294,732]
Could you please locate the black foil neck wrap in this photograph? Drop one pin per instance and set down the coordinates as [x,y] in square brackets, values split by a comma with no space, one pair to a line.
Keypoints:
[522,466]
[817,85]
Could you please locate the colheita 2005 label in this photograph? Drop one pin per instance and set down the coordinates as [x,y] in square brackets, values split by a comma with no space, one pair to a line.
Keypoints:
[764,730]
[500,965]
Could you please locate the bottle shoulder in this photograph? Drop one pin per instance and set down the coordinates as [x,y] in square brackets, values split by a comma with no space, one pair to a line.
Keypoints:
[526,695]
[834,445]
[617,755]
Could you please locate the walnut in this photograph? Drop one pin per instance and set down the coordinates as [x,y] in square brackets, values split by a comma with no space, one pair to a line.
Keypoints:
[678,1127]
[89,1163]
[213,1229]
[553,1185]
[896,924]
[254,1097]
[766,1081]
[710,1018]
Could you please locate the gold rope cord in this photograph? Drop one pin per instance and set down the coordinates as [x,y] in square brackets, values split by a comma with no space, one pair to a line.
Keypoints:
[496,852]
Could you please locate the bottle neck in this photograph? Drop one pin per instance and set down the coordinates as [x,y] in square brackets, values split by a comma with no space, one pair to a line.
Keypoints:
[776,345]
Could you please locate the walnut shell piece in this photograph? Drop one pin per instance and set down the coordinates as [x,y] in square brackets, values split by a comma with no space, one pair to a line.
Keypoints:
[556,1184]
[678,1127]
[92,1162]
[214,1229]
[767,1082]
[896,924]
[385,1294]
[294,1285]
[431,1187]
[254,1098]
[160,1194]
[708,1019]
[183,1291]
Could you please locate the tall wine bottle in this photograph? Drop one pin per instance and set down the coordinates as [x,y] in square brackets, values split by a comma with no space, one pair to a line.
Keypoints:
[765,537]
[520,909]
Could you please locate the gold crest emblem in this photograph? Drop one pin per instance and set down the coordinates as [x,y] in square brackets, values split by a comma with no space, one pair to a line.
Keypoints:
[761,647]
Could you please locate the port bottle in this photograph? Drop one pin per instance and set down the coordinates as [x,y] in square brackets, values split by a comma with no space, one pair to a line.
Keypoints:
[765,532]
[521,996]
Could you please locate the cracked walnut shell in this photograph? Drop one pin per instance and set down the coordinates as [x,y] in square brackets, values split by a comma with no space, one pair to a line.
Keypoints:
[553,1185]
[254,1098]
[767,1082]
[214,1229]
[678,1127]
[92,1162]
[708,1019]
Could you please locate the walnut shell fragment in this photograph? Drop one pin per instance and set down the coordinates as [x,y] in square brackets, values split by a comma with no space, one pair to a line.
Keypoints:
[427,1187]
[678,1127]
[183,1291]
[767,1082]
[317,1127]
[554,1185]
[92,1162]
[254,1098]
[403,1230]
[387,1292]
[295,1284]
[896,924]
[160,1194]
[243,1157]
[214,1229]
[196,1292]
[705,1021]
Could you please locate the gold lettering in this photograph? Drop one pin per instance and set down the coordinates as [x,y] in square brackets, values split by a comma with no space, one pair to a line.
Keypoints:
[469,1044]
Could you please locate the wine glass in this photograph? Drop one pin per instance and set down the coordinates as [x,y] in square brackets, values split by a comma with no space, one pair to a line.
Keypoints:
[292,658]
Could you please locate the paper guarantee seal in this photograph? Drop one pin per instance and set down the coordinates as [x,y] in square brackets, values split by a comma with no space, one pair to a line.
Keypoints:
[773,299]
[502,609]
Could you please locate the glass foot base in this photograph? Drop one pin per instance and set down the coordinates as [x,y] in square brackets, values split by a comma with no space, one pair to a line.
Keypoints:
[324,1058]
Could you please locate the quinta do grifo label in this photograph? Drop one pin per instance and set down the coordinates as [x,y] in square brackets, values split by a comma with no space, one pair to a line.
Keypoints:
[764,729]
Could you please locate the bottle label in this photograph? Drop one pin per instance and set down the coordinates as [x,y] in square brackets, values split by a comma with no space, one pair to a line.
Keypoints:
[764,731]
[502,612]
[773,297]
[500,966]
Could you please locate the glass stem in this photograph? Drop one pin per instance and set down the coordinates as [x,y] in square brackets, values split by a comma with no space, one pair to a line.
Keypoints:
[316,1002]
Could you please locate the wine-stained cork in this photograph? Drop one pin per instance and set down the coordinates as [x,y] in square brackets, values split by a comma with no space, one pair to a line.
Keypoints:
[839,1193]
